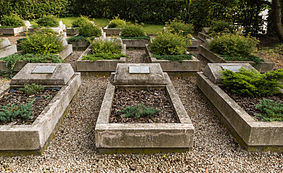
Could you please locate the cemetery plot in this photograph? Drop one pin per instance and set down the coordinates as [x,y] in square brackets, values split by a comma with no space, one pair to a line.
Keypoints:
[6,48]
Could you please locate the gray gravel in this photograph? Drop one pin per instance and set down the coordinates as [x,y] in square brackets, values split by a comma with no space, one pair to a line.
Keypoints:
[136,56]
[72,149]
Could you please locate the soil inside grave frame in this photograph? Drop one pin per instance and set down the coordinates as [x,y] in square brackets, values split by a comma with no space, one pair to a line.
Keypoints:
[155,97]
[17,96]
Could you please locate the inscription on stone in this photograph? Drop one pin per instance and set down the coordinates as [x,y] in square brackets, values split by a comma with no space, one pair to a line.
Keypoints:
[139,69]
[43,70]
[235,68]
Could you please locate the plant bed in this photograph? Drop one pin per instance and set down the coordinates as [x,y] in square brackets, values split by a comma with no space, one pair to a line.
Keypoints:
[112,31]
[101,64]
[114,27]
[60,28]
[31,136]
[191,65]
[6,48]
[135,42]
[13,25]
[72,31]
[134,36]
[213,57]
[169,128]
[79,42]
[238,114]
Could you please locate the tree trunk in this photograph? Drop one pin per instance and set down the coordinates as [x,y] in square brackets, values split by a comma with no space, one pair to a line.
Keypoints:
[276,9]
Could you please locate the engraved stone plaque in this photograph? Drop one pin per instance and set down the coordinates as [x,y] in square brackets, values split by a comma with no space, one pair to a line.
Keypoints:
[43,70]
[235,68]
[139,69]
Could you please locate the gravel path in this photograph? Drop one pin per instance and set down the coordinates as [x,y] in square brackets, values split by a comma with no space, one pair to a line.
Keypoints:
[136,56]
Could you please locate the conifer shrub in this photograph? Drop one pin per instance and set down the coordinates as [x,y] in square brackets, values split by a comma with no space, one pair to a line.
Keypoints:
[48,21]
[270,110]
[117,23]
[89,30]
[220,26]
[32,89]
[138,111]
[177,26]
[82,20]
[252,83]
[11,21]
[133,31]
[9,112]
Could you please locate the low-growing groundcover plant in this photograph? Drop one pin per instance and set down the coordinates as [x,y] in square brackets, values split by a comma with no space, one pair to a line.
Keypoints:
[117,23]
[270,110]
[42,43]
[138,111]
[32,89]
[11,21]
[104,49]
[170,46]
[48,21]
[177,26]
[134,32]
[252,83]
[9,112]
[235,47]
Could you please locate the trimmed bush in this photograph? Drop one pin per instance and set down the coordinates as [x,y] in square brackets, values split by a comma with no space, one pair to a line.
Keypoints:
[105,46]
[132,31]
[219,26]
[117,23]
[252,83]
[82,20]
[177,26]
[48,21]
[42,43]
[89,30]
[168,44]
[12,21]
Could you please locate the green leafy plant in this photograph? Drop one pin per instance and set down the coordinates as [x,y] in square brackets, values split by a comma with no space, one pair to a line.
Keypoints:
[138,111]
[102,56]
[106,46]
[178,26]
[82,20]
[132,31]
[117,23]
[32,89]
[174,57]
[270,110]
[252,83]
[42,43]
[219,26]
[233,45]
[89,30]
[168,44]
[11,21]
[9,112]
[48,21]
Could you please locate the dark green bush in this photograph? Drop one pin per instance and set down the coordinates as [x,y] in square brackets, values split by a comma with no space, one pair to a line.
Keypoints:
[233,45]
[42,43]
[48,21]
[132,31]
[138,111]
[106,46]
[11,21]
[32,89]
[82,20]
[117,23]
[219,26]
[102,56]
[174,57]
[177,26]
[89,30]
[9,112]
[252,83]
[168,44]
[270,110]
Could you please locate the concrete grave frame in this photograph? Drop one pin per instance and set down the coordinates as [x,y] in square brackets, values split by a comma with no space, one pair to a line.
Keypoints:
[176,66]
[6,48]
[112,31]
[135,43]
[33,139]
[71,31]
[15,31]
[251,134]
[60,29]
[214,58]
[20,64]
[143,137]
[99,65]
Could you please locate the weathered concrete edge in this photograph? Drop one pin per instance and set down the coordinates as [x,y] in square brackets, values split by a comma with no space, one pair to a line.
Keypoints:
[252,133]
[112,31]
[44,125]
[214,58]
[170,66]
[9,50]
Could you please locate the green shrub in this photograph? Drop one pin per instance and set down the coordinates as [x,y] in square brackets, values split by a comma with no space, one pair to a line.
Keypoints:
[89,30]
[132,31]
[220,26]
[233,45]
[179,27]
[11,21]
[32,89]
[117,23]
[9,112]
[106,46]
[252,83]
[77,38]
[102,56]
[253,58]
[168,44]
[174,57]
[48,21]
[270,110]
[82,20]
[42,43]
[138,111]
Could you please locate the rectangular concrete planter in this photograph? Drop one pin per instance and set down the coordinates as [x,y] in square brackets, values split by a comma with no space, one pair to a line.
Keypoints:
[135,43]
[72,31]
[60,29]
[12,31]
[20,64]
[251,134]
[176,66]
[28,138]
[143,137]
[112,31]
[100,65]
[212,57]
[203,37]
